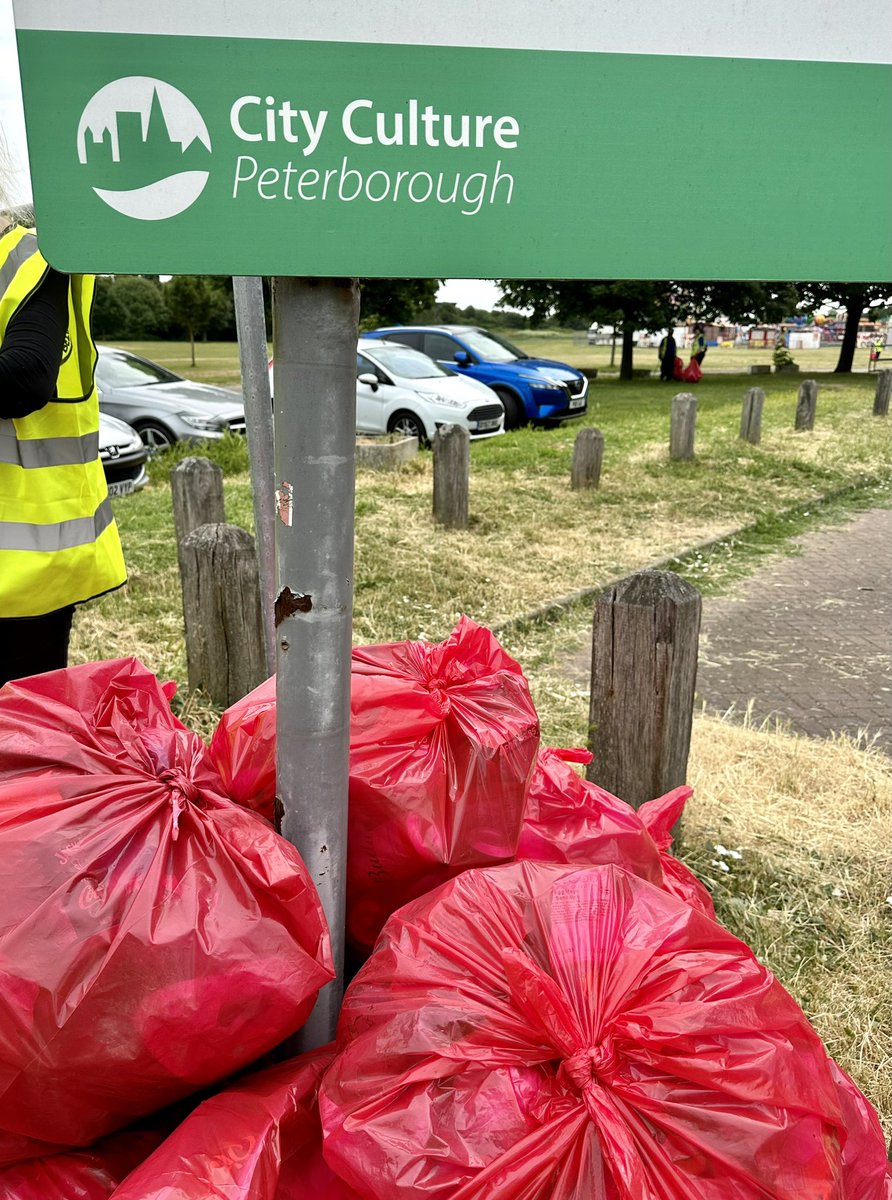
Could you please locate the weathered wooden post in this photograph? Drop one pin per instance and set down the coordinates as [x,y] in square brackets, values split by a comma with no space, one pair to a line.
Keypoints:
[644,667]
[806,404]
[751,415]
[452,460]
[196,491]
[682,426]
[221,606]
[883,392]
[588,454]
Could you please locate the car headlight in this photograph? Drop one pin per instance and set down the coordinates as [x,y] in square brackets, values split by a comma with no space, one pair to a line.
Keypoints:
[207,423]
[548,384]
[439,398]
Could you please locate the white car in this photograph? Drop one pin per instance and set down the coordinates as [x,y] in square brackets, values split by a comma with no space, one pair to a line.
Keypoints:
[123,456]
[399,390]
[402,391]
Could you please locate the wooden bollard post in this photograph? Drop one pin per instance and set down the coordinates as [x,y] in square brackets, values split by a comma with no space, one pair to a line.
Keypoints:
[452,461]
[883,392]
[751,416]
[806,404]
[644,667]
[682,426]
[221,607]
[196,491]
[588,454]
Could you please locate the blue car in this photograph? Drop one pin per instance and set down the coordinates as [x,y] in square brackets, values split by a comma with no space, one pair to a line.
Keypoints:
[531,389]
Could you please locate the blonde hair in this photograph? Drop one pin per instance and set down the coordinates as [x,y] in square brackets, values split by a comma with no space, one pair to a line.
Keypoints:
[6,177]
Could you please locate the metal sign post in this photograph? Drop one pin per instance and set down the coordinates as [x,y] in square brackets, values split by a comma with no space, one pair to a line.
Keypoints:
[250,320]
[315,326]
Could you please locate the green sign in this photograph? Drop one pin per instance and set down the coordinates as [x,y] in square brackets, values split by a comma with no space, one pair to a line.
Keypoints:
[205,154]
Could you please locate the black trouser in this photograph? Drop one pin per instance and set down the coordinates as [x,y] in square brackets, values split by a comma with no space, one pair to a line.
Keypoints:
[32,645]
[667,367]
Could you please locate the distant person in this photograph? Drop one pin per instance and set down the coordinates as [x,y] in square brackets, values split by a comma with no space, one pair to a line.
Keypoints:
[667,352]
[59,543]
[698,345]
[876,353]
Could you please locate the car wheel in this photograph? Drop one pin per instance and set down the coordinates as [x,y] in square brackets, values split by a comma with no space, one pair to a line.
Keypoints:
[514,412]
[406,424]
[156,437]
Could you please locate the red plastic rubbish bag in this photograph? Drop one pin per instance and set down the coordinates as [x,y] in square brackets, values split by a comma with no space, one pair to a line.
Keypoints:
[243,749]
[658,817]
[693,372]
[443,738]
[443,741]
[260,1139]
[154,936]
[79,1174]
[571,820]
[541,1032]
[866,1171]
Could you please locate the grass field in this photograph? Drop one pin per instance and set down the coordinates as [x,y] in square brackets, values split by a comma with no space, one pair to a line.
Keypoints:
[217,362]
[809,818]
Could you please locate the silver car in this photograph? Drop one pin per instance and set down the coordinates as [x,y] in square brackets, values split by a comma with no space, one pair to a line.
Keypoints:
[163,407]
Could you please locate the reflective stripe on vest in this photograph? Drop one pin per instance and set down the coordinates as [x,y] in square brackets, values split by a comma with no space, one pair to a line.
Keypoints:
[59,544]
[63,535]
[45,452]
[20,253]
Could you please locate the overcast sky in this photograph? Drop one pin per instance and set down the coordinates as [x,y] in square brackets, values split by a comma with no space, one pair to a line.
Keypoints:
[478,292]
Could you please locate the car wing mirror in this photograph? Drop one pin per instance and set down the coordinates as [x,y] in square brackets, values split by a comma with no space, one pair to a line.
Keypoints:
[462,358]
[369,380]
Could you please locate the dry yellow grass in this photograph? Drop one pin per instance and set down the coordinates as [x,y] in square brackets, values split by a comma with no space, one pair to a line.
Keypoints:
[811,892]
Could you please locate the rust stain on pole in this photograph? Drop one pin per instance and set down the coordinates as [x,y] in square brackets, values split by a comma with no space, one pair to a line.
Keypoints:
[288,603]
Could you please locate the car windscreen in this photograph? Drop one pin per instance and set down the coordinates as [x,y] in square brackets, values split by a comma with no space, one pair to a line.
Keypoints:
[116,369]
[490,347]
[409,364]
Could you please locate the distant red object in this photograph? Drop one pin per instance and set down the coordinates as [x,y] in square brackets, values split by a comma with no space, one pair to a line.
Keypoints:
[693,372]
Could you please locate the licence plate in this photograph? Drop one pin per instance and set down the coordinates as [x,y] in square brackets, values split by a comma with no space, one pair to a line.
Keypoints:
[578,402]
[488,424]
[122,488]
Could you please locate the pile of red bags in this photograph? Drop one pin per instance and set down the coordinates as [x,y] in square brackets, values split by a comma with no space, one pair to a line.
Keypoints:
[443,738]
[541,1032]
[571,1024]
[154,936]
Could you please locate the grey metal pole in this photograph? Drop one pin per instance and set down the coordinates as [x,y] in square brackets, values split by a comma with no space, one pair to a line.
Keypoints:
[314,336]
[250,321]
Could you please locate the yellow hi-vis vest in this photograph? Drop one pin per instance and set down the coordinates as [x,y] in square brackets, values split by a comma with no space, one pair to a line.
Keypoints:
[59,544]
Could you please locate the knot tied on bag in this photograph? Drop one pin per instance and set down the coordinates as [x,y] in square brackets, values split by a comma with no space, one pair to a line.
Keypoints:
[590,1065]
[182,792]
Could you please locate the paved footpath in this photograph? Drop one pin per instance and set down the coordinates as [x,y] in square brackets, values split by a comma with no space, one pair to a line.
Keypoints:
[808,639]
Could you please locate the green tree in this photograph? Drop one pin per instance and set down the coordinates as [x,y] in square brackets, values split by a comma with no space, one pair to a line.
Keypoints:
[128,308]
[854,297]
[190,300]
[394,301]
[629,304]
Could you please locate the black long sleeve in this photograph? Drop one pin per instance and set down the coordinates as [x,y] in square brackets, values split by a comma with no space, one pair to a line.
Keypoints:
[31,353]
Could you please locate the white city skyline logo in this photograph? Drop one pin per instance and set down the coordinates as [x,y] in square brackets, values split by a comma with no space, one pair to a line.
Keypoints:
[141,95]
